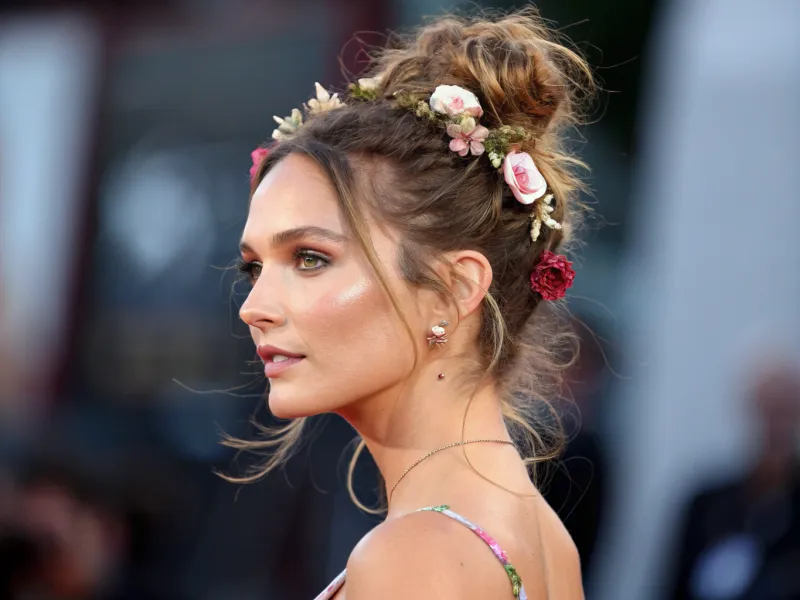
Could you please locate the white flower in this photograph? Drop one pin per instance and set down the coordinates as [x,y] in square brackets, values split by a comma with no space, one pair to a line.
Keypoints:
[455,101]
[544,209]
[541,216]
[370,84]
[287,126]
[324,101]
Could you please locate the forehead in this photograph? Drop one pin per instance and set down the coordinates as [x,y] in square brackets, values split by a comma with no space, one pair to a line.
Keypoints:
[295,193]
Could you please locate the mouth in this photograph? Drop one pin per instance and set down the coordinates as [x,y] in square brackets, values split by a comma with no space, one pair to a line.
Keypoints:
[277,360]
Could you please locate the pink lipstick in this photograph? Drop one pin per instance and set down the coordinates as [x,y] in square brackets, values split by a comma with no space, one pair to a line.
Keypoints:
[277,360]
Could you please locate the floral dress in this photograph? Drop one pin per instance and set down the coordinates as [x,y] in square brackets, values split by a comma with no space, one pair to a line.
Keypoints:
[516,582]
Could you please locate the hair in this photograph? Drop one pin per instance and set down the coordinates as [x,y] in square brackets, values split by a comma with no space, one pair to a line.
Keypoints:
[386,162]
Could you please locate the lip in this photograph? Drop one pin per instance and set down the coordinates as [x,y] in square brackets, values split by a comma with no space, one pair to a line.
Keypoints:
[272,369]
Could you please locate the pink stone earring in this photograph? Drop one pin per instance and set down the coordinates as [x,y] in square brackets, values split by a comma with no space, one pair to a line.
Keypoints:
[438,335]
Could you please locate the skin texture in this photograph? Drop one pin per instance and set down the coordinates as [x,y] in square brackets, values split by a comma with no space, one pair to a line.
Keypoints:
[359,363]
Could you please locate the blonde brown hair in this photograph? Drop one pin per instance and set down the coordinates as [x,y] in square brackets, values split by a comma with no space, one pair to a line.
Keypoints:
[386,162]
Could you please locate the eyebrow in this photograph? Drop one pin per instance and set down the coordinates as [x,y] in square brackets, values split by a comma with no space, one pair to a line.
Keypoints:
[292,235]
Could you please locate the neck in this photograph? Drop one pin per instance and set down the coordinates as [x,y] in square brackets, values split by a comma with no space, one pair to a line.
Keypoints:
[400,426]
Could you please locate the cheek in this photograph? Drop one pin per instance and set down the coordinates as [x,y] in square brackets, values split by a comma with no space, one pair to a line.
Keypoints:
[353,327]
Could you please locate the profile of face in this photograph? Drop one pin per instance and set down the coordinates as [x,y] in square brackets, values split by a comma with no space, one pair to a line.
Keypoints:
[328,333]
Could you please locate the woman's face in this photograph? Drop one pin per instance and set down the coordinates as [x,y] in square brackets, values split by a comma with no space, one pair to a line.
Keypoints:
[327,332]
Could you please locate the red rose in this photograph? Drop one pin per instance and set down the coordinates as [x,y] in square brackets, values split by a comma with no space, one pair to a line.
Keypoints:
[258,155]
[552,276]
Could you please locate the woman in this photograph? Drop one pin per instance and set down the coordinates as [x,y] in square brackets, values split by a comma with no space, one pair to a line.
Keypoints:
[401,245]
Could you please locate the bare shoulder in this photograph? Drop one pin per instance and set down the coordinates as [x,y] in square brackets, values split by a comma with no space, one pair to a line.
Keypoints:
[422,555]
[563,556]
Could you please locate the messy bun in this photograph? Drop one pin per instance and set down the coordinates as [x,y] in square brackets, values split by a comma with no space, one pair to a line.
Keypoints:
[522,77]
[386,162]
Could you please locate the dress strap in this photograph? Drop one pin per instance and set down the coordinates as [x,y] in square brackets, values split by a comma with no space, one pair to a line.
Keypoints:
[516,581]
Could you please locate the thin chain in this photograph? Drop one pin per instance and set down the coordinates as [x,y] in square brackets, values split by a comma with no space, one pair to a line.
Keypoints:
[453,445]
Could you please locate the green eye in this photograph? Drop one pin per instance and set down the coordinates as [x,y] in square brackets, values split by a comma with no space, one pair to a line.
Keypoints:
[310,260]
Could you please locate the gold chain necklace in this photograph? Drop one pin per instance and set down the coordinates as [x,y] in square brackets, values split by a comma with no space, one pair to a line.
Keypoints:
[453,445]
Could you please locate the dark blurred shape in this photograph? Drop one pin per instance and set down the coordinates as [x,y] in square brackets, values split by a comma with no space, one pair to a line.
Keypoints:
[68,537]
[577,487]
[741,540]
[93,4]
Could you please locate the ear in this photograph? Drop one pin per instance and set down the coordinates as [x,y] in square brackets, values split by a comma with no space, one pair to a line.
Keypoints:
[469,279]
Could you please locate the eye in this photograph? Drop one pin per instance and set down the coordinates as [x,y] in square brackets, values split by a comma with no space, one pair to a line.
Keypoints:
[251,269]
[310,260]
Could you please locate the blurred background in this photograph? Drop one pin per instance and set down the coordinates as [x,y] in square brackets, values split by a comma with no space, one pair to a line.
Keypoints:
[125,132]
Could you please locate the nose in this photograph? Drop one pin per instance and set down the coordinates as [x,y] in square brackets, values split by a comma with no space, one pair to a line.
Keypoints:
[259,312]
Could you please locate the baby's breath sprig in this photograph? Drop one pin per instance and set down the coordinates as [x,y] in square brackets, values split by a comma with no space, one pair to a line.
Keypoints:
[359,93]
[423,110]
[500,141]
[366,89]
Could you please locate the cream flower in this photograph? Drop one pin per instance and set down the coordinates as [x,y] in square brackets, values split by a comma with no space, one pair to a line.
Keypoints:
[287,126]
[467,136]
[455,101]
[324,101]
[541,216]
[370,84]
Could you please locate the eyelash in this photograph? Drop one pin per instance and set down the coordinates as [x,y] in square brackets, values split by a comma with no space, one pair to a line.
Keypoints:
[250,268]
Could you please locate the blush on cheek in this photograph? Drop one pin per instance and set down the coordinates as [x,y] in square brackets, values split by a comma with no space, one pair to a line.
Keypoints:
[339,313]
[351,327]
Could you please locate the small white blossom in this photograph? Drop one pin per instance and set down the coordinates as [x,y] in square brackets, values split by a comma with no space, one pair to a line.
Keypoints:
[536,229]
[370,84]
[324,101]
[287,126]
[541,216]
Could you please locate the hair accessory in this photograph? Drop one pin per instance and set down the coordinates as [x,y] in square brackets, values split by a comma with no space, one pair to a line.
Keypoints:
[367,88]
[438,335]
[552,276]
[458,111]
[258,155]
[324,101]
[287,126]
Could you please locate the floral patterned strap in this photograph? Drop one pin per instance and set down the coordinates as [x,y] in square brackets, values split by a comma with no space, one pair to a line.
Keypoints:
[335,585]
[516,581]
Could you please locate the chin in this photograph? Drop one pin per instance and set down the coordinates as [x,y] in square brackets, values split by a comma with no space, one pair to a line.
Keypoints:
[287,405]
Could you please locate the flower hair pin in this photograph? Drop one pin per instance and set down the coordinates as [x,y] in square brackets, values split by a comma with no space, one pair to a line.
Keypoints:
[458,111]
[552,276]
[258,155]
[323,102]
[289,125]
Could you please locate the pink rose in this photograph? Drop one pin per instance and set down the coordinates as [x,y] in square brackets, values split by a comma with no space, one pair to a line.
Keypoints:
[467,137]
[258,155]
[455,101]
[522,176]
